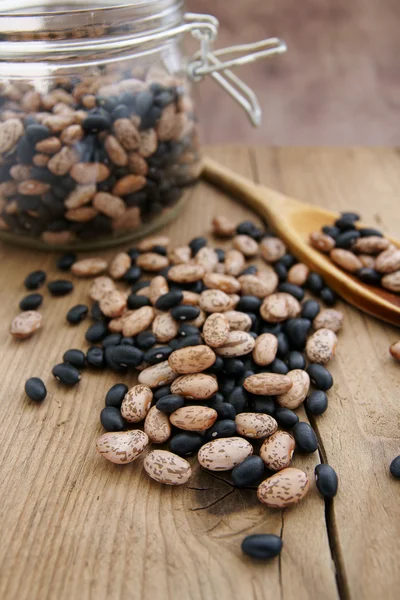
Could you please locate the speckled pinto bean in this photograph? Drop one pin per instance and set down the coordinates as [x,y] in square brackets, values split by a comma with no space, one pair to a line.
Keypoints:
[277,450]
[157,426]
[26,324]
[216,330]
[192,359]
[214,301]
[255,425]
[100,287]
[197,386]
[283,489]
[136,403]
[157,375]
[224,454]
[268,384]
[193,418]
[321,346]
[122,447]
[298,392]
[238,343]
[167,468]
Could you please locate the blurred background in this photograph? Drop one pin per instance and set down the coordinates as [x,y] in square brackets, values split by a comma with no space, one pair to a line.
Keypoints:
[339,82]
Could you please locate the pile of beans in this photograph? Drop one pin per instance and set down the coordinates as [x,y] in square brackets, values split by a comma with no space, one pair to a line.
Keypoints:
[95,156]
[362,251]
[226,351]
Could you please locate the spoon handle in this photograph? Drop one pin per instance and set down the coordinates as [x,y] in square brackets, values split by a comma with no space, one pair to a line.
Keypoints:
[247,191]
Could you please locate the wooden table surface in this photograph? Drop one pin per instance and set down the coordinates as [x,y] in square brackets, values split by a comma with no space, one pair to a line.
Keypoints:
[74,526]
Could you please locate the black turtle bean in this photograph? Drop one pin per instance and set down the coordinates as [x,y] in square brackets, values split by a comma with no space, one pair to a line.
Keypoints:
[283,345]
[297,332]
[65,262]
[326,480]
[77,313]
[96,332]
[304,435]
[95,312]
[60,287]
[315,282]
[310,309]
[278,366]
[197,244]
[34,280]
[190,340]
[218,365]
[127,341]
[286,418]
[234,366]
[111,363]
[368,231]
[249,472]
[145,340]
[185,312]
[186,330]
[273,328]
[220,253]
[317,402]
[249,304]
[125,356]
[320,376]
[222,428]
[226,385]
[66,374]
[169,300]
[111,419]
[133,274]
[328,296]
[116,394]
[250,270]
[74,357]
[263,404]
[170,402]
[296,360]
[395,467]
[345,224]
[139,285]
[36,133]
[347,239]
[96,122]
[184,444]
[31,302]
[288,260]
[157,355]
[331,230]
[238,397]
[114,339]
[281,271]
[351,216]
[262,545]
[135,301]
[294,290]
[160,392]
[35,389]
[369,276]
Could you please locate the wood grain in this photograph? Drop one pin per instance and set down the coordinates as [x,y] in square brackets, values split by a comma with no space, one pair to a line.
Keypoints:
[337,84]
[75,526]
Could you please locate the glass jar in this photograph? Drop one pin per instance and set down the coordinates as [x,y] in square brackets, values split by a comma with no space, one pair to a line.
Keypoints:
[98,134]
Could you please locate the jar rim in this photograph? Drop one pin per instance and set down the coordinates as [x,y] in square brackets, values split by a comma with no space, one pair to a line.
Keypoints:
[102,19]
[18,13]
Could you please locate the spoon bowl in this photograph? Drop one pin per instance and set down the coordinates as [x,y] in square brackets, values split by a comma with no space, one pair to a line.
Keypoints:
[293,221]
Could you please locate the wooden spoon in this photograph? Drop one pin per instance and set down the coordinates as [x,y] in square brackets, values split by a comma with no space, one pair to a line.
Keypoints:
[293,221]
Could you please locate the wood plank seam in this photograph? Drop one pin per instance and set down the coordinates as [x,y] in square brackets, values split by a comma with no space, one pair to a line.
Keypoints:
[341,584]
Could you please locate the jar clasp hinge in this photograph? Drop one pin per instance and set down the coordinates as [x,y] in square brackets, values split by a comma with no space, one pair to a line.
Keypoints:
[207,62]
